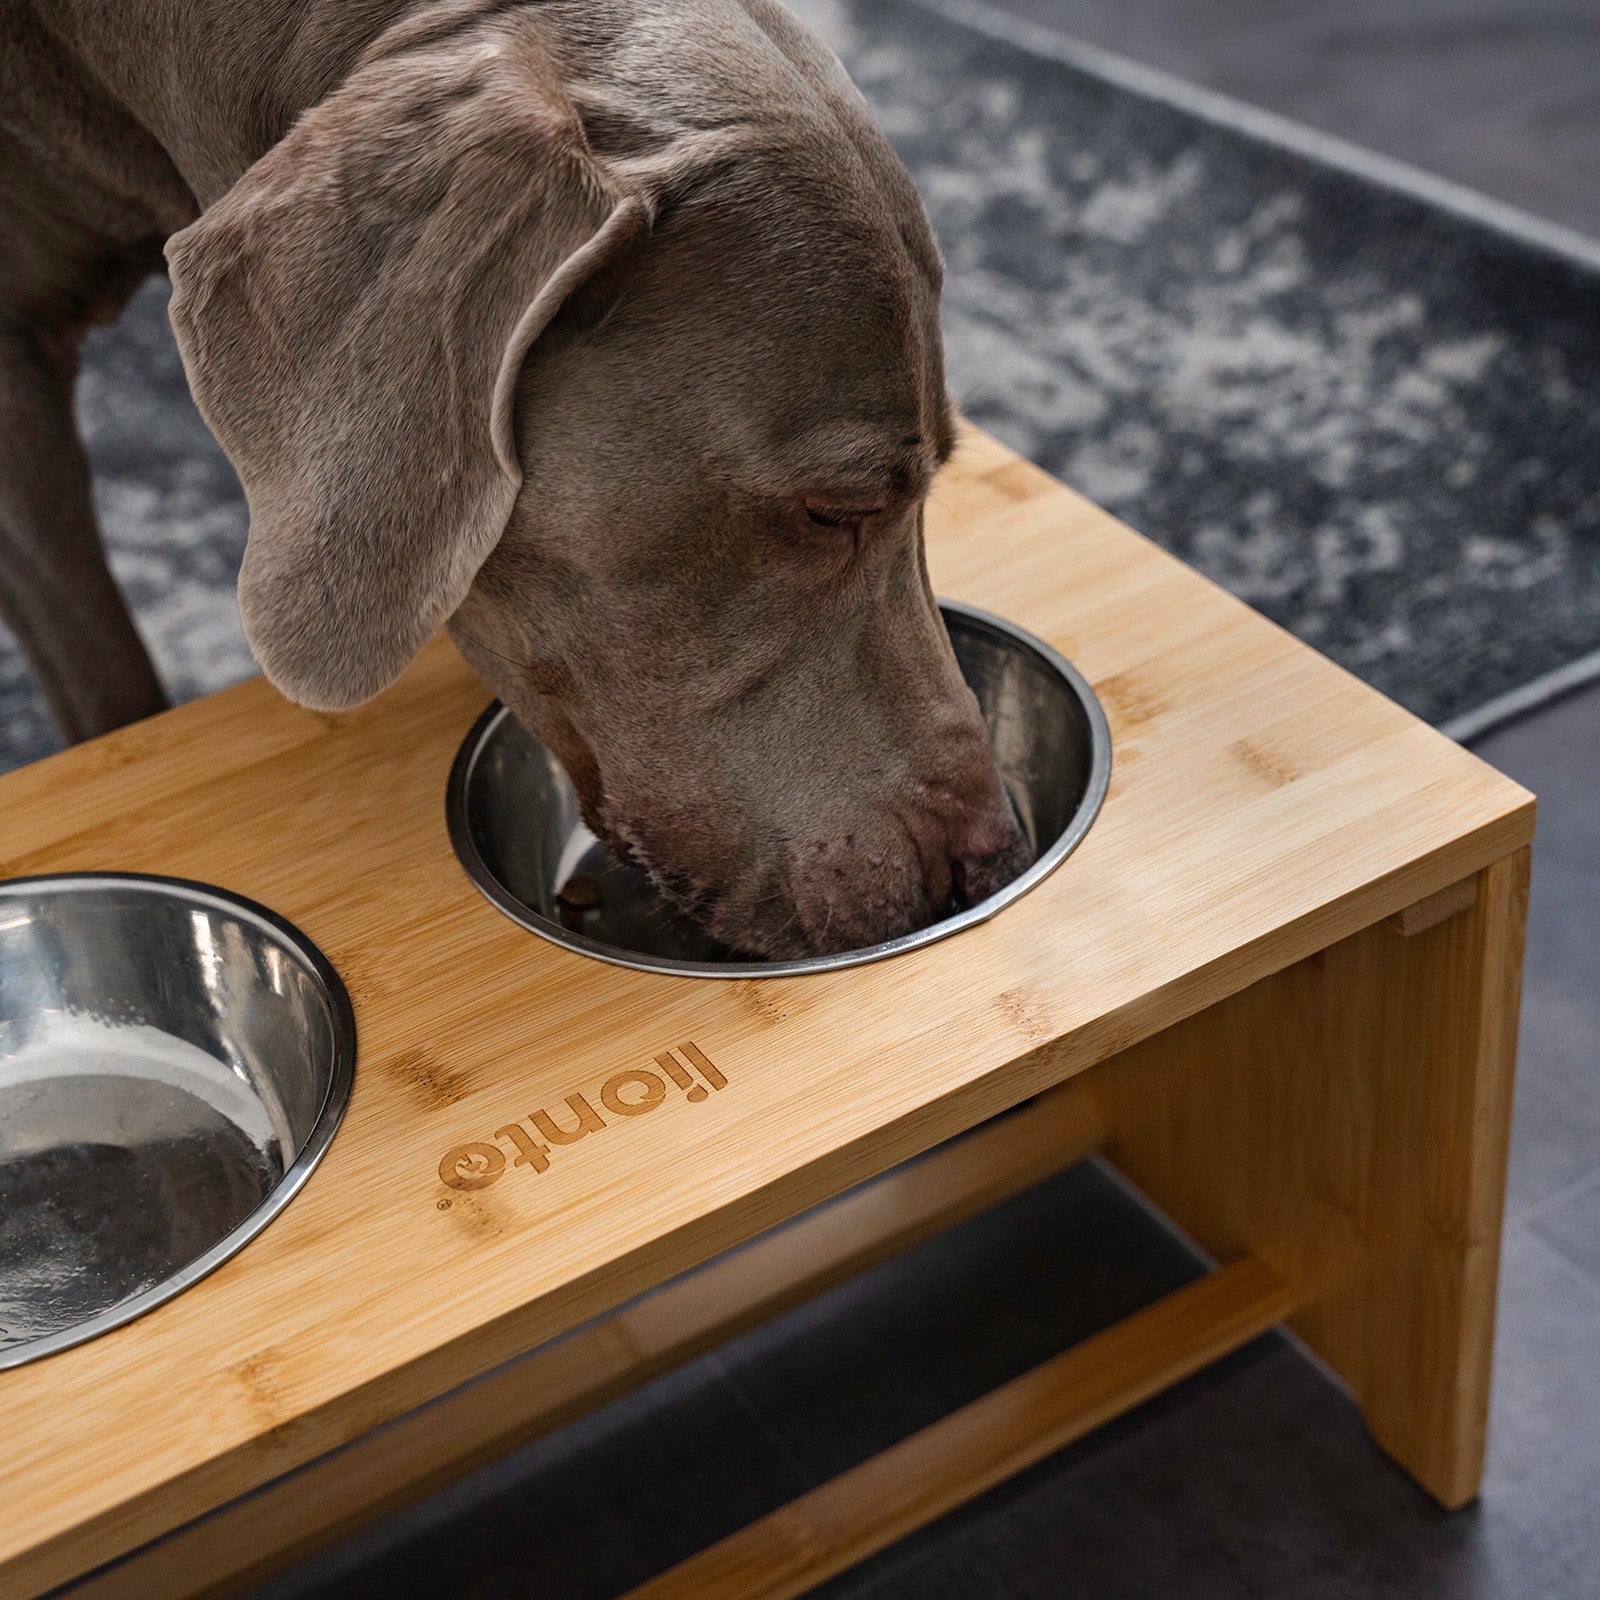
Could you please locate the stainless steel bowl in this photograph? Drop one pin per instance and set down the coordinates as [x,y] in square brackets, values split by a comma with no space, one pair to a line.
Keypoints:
[173,1063]
[515,824]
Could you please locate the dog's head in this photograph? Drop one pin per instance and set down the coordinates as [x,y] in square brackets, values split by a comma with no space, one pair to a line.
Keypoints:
[621,357]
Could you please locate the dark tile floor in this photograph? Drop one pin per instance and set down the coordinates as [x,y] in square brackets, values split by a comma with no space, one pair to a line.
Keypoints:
[1257,1478]
[1555,1161]
[1502,95]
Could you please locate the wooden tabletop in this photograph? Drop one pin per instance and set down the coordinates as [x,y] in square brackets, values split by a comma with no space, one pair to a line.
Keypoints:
[1263,804]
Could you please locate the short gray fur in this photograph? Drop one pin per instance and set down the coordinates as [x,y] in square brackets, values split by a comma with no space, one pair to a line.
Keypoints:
[1366,414]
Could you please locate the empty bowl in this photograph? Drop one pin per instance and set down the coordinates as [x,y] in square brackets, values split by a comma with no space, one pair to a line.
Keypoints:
[516,827]
[173,1063]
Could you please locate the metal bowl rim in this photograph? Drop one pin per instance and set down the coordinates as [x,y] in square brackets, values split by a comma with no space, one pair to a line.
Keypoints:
[1099,780]
[342,1018]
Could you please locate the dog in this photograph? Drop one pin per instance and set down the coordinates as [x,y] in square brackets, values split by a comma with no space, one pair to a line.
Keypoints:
[602,333]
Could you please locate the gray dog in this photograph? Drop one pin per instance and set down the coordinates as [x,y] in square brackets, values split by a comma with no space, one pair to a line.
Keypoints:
[603,332]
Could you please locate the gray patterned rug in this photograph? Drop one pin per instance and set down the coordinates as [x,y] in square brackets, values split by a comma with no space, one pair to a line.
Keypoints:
[1368,415]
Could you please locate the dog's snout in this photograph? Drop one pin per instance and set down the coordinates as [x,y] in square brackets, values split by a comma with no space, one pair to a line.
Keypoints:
[917,864]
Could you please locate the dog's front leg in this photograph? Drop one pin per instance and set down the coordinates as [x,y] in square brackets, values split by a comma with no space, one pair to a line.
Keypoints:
[56,591]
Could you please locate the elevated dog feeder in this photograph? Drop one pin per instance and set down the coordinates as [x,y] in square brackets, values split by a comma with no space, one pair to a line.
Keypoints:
[1275,984]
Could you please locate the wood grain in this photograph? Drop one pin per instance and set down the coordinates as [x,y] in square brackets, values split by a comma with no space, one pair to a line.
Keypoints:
[1347,1120]
[331,1498]
[1263,805]
[908,1485]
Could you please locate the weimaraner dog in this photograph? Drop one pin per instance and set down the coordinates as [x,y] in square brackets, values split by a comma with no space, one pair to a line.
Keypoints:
[602,332]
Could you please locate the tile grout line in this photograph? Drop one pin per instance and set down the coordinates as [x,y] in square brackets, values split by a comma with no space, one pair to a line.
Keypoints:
[768,1429]
[1569,1267]
[1540,1208]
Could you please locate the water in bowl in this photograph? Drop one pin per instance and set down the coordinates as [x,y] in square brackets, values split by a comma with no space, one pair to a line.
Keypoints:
[124,1154]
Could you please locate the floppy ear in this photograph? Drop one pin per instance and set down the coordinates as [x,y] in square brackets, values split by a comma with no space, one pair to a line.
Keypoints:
[353,315]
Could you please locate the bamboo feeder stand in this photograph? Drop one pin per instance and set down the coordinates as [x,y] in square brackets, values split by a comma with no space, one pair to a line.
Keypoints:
[1276,986]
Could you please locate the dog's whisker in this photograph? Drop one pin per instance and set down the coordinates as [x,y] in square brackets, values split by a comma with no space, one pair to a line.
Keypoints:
[489,649]
[978,391]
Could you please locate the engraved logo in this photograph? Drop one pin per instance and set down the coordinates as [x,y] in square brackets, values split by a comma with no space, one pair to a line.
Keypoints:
[535,1139]
[472,1166]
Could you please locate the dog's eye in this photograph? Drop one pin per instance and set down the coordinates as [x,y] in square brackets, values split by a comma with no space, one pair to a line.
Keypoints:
[827,516]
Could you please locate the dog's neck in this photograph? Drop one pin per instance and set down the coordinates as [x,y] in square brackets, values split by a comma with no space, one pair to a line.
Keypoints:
[216,84]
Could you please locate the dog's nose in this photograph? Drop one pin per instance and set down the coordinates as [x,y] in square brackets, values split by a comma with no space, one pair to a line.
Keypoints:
[1000,854]
[983,836]
[969,843]
[959,899]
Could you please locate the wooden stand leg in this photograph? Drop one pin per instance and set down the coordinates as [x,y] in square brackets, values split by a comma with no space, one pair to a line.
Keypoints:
[1347,1121]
